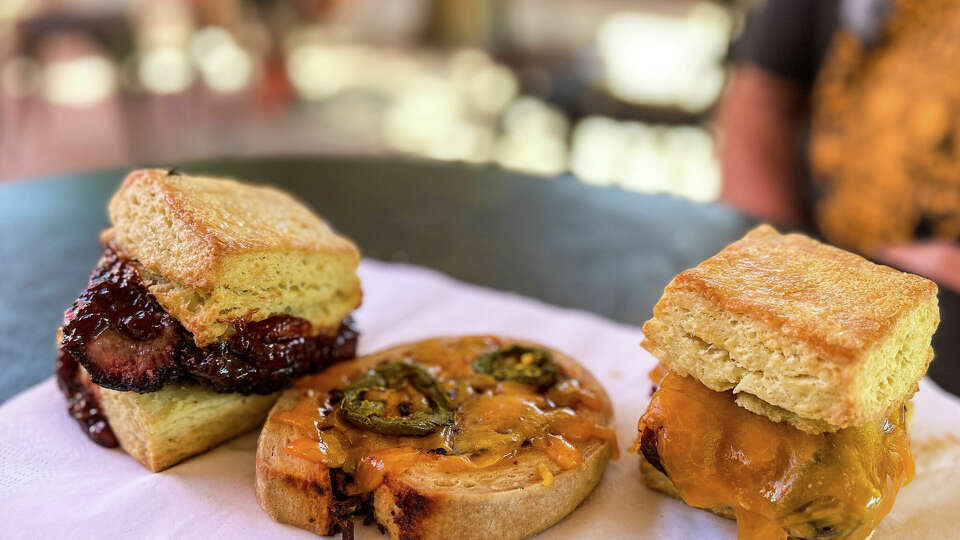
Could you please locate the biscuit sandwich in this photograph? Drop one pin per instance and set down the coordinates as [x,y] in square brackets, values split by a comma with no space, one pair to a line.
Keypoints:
[210,297]
[471,437]
[782,392]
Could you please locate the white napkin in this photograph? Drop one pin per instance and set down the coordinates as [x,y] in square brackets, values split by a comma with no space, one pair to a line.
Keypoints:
[54,483]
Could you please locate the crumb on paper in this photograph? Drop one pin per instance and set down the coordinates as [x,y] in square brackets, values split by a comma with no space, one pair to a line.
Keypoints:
[936,452]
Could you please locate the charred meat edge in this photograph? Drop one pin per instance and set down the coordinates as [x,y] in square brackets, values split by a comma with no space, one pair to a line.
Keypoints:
[125,340]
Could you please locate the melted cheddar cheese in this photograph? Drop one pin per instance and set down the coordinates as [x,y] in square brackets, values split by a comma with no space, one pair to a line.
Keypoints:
[494,422]
[779,481]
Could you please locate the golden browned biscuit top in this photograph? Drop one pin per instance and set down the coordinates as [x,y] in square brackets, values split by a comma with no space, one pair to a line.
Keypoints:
[226,215]
[212,249]
[832,298]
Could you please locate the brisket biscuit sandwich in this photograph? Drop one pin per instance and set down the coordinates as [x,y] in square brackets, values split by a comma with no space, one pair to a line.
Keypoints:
[210,297]
[786,370]
[474,437]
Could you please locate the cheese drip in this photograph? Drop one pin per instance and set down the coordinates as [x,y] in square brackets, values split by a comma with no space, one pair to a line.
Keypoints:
[780,482]
[495,421]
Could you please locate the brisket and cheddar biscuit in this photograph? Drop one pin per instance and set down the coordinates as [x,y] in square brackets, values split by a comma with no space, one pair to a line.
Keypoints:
[786,369]
[210,296]
[469,437]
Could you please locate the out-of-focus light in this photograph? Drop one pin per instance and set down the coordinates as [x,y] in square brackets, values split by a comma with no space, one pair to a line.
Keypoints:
[466,62]
[11,10]
[224,65]
[697,171]
[80,82]
[21,77]
[166,70]
[534,138]
[413,120]
[486,86]
[463,142]
[207,40]
[491,88]
[544,156]
[431,124]
[654,59]
[645,158]
[226,68]
[597,149]
[319,72]
[534,117]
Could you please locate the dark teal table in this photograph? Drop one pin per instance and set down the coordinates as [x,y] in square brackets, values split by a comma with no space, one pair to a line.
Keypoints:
[598,249]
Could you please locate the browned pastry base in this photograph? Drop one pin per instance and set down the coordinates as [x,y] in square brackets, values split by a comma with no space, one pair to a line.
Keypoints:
[506,501]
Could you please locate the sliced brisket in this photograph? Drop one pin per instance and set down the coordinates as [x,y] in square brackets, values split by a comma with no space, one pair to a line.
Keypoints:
[126,341]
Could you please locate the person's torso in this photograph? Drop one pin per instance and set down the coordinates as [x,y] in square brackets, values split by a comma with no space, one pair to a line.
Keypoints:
[885,139]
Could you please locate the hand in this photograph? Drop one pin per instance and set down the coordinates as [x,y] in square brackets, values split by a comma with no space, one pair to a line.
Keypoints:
[934,259]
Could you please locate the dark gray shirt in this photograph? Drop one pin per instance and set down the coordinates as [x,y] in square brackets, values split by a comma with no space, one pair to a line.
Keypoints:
[789,37]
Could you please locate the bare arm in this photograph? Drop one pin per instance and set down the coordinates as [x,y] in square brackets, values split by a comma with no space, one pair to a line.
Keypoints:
[756,133]
[934,259]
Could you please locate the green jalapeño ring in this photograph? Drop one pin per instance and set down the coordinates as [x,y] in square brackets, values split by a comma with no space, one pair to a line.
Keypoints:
[518,363]
[369,414]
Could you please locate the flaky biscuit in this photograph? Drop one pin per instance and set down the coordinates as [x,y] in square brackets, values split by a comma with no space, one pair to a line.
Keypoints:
[213,249]
[160,429]
[813,334]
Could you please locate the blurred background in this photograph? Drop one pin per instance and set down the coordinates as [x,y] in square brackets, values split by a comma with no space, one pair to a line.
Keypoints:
[616,91]
[839,118]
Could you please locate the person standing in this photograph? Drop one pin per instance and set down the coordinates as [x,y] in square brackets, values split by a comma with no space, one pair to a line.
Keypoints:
[845,115]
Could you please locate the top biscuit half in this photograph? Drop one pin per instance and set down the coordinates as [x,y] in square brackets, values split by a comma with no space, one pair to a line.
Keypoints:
[212,250]
[802,332]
